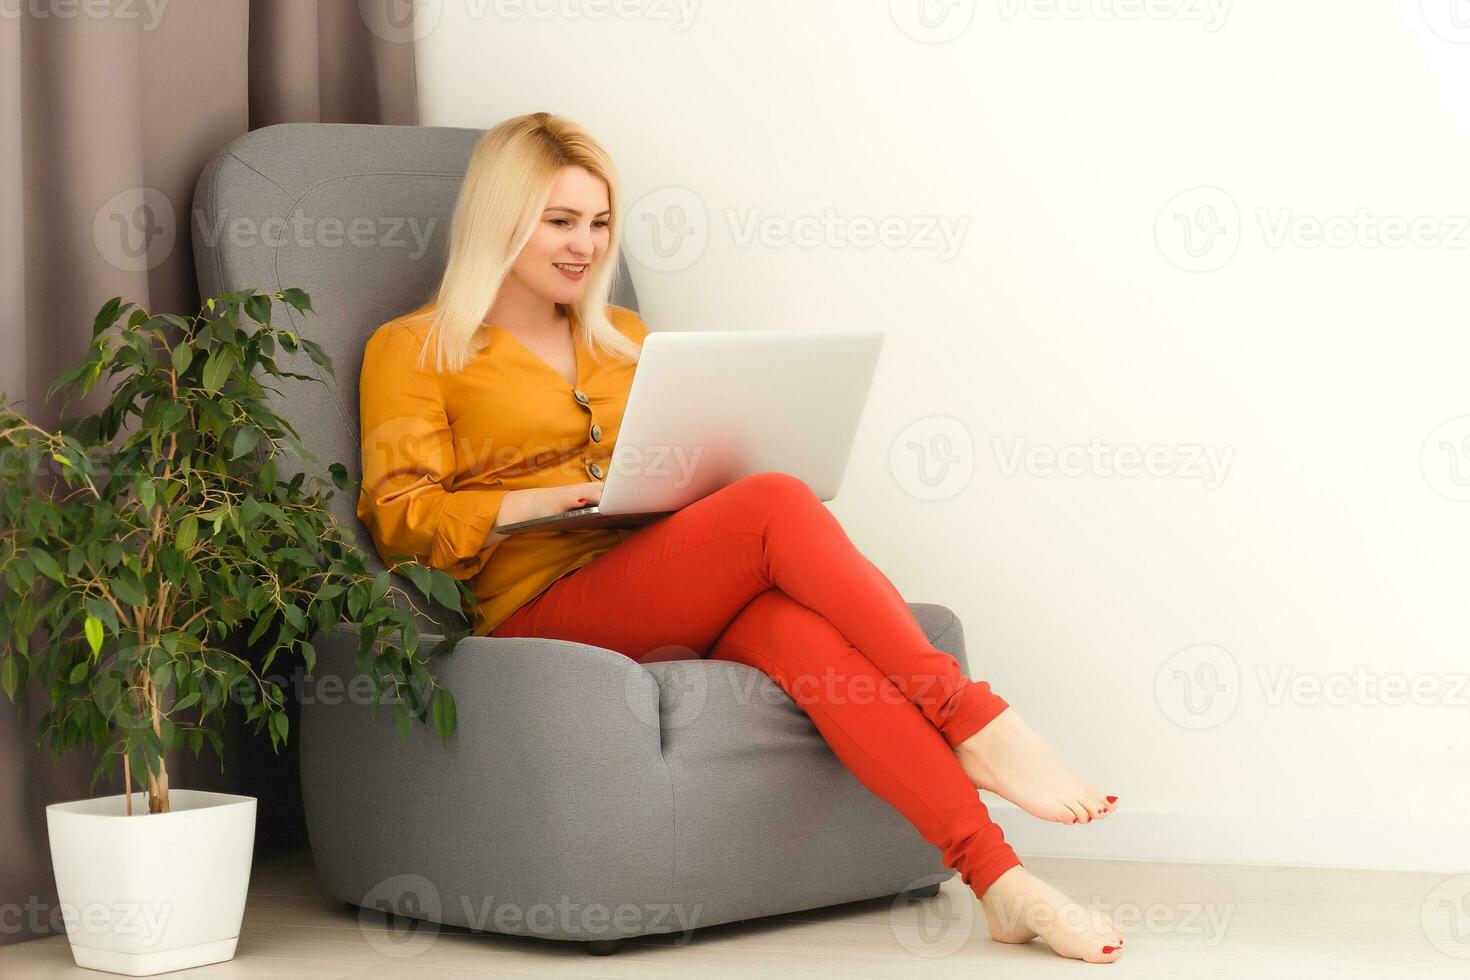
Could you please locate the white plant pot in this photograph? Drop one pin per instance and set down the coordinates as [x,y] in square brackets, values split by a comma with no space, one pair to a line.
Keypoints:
[156,892]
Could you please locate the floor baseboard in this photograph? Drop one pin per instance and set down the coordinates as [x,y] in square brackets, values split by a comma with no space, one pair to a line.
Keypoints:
[1259,839]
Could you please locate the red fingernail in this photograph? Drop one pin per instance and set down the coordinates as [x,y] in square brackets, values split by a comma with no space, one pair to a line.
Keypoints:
[1112,799]
[1109,949]
[581,500]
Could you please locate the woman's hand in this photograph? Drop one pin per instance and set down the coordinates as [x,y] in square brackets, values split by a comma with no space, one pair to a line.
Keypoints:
[529,504]
[546,501]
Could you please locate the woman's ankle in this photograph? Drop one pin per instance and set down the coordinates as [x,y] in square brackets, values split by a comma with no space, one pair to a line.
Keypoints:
[988,877]
[979,707]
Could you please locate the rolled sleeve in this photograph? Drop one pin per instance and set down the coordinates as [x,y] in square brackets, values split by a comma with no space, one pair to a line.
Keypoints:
[459,535]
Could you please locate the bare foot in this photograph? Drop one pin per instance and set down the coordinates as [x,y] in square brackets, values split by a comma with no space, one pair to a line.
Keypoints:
[1019,907]
[1007,758]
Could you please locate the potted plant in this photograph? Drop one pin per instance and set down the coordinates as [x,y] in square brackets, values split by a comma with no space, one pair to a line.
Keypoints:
[154,563]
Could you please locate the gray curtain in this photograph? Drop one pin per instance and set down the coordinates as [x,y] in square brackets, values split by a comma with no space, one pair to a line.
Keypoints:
[105,123]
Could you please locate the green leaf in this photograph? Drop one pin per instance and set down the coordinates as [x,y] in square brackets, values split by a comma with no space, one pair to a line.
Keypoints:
[258,307]
[262,624]
[182,357]
[9,676]
[93,627]
[402,719]
[298,300]
[218,368]
[341,479]
[279,724]
[420,576]
[187,701]
[78,673]
[107,316]
[380,588]
[129,589]
[444,714]
[245,442]
[188,533]
[172,416]
[47,566]
[318,356]
[102,610]
[446,591]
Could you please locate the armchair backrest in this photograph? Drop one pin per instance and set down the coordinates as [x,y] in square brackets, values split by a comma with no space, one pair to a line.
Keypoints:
[357,216]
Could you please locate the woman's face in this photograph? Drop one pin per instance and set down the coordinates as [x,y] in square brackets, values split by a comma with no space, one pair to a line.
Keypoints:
[571,236]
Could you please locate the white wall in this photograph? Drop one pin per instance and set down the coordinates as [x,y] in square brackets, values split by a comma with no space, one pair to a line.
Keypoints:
[1315,374]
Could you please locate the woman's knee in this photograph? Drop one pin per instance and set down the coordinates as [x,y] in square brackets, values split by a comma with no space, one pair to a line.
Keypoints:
[773,622]
[805,654]
[772,488]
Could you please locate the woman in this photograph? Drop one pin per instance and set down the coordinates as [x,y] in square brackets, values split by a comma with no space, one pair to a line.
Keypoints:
[499,400]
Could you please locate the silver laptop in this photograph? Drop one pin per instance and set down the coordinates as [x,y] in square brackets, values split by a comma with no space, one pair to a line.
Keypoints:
[708,407]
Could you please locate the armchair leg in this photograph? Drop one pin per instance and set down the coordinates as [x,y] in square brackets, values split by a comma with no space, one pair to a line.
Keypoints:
[601,947]
[918,894]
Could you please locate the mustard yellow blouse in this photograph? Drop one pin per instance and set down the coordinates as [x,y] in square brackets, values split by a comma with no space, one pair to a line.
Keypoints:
[440,451]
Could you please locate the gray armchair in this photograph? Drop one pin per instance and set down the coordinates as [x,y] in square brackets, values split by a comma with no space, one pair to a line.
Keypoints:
[583,796]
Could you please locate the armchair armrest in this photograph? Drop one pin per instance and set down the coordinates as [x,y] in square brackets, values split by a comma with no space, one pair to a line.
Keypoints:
[544,726]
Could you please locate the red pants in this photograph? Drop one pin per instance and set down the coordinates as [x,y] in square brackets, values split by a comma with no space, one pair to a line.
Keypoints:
[761,573]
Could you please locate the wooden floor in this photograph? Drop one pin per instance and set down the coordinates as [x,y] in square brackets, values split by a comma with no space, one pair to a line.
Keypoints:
[1180,921]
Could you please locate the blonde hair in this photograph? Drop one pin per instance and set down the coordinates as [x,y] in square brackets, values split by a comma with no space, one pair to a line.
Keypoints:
[504,193]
